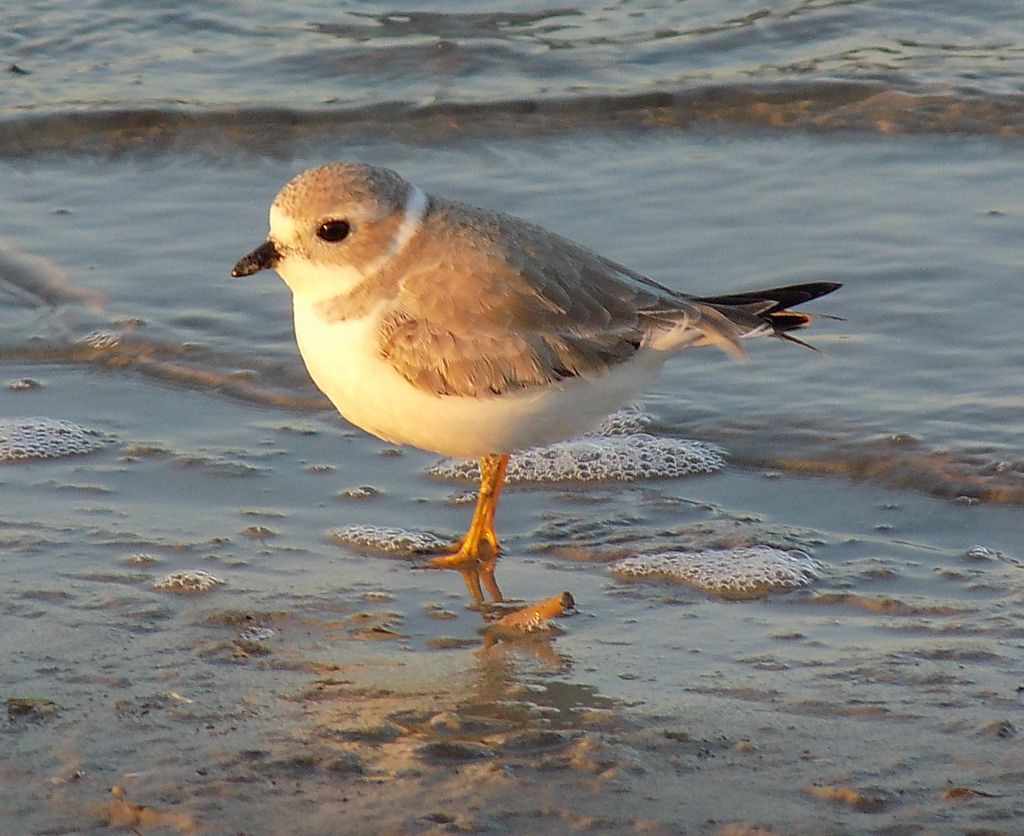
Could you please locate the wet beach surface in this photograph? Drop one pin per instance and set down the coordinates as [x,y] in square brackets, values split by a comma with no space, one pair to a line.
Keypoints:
[324,687]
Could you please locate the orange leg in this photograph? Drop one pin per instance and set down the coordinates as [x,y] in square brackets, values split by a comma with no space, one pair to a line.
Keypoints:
[477,553]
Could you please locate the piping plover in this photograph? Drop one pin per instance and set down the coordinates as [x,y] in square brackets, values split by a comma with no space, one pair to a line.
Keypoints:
[475,334]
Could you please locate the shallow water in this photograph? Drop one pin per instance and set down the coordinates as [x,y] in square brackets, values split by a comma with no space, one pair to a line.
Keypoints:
[324,688]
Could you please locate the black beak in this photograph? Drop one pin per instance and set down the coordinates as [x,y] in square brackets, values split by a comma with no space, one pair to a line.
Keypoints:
[264,257]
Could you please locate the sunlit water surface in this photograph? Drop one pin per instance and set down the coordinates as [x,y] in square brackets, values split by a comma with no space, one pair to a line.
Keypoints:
[326,689]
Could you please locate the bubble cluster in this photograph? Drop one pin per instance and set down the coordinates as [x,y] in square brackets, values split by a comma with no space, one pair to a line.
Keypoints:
[256,634]
[622,458]
[22,439]
[188,580]
[626,421]
[979,553]
[360,493]
[100,339]
[618,450]
[749,572]
[386,539]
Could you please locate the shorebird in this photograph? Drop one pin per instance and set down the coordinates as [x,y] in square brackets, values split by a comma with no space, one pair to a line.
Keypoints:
[472,333]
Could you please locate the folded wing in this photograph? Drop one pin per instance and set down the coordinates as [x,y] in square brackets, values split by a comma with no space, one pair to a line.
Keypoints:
[495,304]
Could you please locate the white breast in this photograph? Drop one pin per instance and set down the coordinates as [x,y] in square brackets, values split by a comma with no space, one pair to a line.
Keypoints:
[343,360]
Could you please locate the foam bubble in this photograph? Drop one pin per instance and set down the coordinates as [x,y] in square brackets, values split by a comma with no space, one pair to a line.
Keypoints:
[188,580]
[386,539]
[749,572]
[360,493]
[622,458]
[979,553]
[100,339]
[44,438]
[618,450]
[256,634]
[629,420]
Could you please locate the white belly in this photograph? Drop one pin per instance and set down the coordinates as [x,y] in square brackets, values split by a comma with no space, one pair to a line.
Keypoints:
[343,361]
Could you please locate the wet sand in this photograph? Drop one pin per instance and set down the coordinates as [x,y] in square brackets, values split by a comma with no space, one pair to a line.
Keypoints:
[324,688]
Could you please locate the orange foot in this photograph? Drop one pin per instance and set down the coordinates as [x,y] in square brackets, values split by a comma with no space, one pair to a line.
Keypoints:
[476,555]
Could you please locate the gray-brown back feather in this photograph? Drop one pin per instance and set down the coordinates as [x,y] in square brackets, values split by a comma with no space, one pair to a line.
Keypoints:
[529,308]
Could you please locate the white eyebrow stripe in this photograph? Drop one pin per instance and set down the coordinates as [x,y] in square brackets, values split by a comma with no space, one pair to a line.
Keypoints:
[416,205]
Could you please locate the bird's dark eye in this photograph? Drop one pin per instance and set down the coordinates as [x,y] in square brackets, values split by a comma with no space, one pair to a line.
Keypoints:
[333,231]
